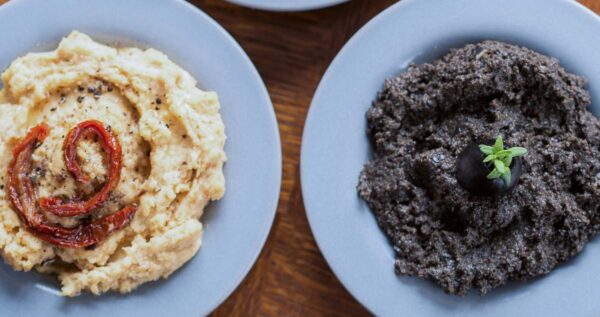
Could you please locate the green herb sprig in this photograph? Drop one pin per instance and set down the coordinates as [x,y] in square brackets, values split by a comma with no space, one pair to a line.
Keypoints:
[501,159]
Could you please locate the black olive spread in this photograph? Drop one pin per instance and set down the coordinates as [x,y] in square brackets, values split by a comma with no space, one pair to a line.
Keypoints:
[423,119]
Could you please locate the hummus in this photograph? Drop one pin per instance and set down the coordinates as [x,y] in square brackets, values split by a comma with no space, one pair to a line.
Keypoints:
[172,139]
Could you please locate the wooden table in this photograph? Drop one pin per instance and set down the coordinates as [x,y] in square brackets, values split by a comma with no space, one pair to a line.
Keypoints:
[291,52]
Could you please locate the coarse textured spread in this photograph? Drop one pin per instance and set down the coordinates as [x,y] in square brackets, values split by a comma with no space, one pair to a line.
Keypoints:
[421,121]
[172,140]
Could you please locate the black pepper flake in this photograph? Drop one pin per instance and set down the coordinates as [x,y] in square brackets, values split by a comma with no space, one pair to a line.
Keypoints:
[109,89]
[86,219]
[184,163]
[167,125]
[158,101]
[156,108]
[80,99]
[61,178]
[1,187]
[53,109]
[96,92]
[184,136]
[79,88]
[108,128]
[40,172]
[91,247]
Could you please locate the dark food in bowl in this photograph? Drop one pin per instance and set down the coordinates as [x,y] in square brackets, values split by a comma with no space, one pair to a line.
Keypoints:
[421,122]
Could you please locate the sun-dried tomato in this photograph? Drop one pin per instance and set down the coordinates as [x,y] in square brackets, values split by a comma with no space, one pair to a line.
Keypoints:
[23,198]
[112,148]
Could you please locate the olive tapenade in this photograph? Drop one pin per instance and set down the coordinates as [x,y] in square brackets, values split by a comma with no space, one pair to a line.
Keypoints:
[426,117]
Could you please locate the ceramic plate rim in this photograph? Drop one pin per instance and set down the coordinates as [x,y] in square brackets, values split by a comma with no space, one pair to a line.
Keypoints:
[287,5]
[262,99]
[323,239]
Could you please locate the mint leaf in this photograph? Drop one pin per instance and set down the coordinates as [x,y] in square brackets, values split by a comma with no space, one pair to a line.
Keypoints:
[489,158]
[507,161]
[494,174]
[500,166]
[517,151]
[486,149]
[499,145]
[507,177]
[501,158]
[503,153]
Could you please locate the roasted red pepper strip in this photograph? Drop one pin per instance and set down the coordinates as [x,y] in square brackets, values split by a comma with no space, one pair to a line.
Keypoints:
[22,196]
[111,146]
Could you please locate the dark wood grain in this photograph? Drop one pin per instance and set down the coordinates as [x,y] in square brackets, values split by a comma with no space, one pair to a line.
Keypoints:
[292,51]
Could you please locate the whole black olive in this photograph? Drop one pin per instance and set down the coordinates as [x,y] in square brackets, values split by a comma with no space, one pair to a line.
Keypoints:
[471,173]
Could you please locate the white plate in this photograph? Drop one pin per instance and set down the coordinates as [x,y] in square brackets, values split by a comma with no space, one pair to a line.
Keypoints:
[237,226]
[287,5]
[335,147]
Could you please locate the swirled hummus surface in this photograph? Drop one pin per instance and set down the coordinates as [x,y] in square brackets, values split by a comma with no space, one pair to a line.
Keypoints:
[172,140]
